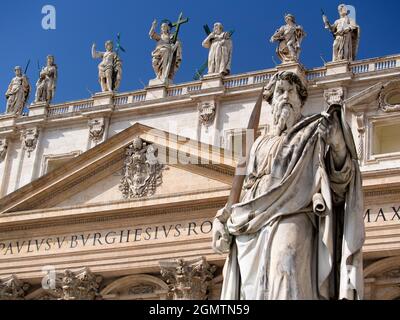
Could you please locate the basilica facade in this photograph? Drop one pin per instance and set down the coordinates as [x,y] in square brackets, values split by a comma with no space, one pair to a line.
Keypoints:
[113,197]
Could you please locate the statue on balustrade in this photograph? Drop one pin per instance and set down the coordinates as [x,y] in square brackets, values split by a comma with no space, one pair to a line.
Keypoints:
[167,56]
[296,231]
[290,37]
[346,33]
[110,68]
[17,93]
[46,84]
[220,53]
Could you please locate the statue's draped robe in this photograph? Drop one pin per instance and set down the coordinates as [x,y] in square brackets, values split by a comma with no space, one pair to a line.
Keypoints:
[167,57]
[220,54]
[290,38]
[46,84]
[18,92]
[345,46]
[281,249]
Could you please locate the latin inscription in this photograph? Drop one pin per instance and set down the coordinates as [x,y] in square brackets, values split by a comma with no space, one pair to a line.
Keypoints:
[105,238]
[389,214]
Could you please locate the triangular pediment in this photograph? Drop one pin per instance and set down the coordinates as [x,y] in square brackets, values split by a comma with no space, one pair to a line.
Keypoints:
[366,97]
[94,177]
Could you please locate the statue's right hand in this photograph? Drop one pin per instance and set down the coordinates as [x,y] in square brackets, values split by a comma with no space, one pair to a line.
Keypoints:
[221,242]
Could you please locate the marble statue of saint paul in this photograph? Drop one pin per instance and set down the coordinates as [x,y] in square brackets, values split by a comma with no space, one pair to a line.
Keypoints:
[298,230]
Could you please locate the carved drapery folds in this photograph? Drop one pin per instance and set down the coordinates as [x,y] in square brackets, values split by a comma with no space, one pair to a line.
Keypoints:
[30,139]
[80,285]
[142,172]
[96,129]
[207,111]
[389,97]
[3,149]
[334,96]
[13,289]
[188,280]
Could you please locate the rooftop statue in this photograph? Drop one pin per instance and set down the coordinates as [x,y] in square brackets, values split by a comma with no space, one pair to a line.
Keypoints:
[220,55]
[346,33]
[167,56]
[17,93]
[110,68]
[289,38]
[46,84]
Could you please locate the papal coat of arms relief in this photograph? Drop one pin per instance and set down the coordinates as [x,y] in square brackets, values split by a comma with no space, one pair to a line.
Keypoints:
[142,172]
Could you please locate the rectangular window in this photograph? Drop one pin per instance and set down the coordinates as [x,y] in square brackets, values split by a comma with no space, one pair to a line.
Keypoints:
[386,139]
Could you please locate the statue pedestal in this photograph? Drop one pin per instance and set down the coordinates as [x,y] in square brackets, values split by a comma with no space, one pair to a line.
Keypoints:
[38,108]
[213,80]
[294,67]
[103,98]
[337,67]
[156,90]
[8,120]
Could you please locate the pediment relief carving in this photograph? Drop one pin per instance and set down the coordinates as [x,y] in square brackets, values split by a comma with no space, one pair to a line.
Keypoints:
[142,172]
[143,169]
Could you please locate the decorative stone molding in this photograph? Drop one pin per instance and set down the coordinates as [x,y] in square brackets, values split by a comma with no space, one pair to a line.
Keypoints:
[13,289]
[30,139]
[3,149]
[80,285]
[142,172]
[136,287]
[334,96]
[96,129]
[207,112]
[142,289]
[188,280]
[389,97]
[392,274]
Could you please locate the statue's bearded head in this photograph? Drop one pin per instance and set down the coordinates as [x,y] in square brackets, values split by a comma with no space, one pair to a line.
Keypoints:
[290,19]
[286,94]
[18,71]
[50,60]
[165,28]
[218,28]
[109,45]
[343,11]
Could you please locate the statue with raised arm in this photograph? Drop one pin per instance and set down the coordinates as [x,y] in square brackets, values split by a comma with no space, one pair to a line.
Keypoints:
[289,38]
[46,84]
[17,93]
[110,68]
[167,56]
[220,53]
[346,33]
[297,230]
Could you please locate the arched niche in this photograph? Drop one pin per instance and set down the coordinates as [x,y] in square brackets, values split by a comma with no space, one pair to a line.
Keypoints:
[382,279]
[136,287]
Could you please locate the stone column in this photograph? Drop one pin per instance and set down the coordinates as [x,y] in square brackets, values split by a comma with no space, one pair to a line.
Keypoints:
[188,280]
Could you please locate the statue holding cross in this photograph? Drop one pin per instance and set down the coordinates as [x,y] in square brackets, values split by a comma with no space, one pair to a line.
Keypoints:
[167,56]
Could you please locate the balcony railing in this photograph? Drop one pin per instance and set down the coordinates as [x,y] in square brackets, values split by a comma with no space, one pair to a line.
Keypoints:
[233,82]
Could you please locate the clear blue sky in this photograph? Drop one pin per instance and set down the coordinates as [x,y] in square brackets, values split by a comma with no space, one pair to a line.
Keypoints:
[80,23]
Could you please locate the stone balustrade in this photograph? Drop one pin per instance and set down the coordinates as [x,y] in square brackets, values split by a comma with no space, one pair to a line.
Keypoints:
[233,82]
